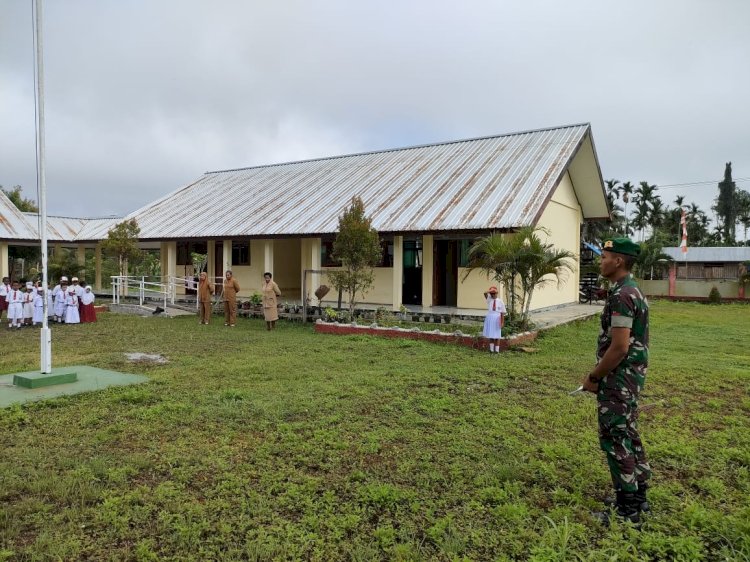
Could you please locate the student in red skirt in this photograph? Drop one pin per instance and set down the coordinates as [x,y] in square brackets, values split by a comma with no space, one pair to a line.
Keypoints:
[88,314]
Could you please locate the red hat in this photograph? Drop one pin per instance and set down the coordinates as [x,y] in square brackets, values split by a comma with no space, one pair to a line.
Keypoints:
[492,289]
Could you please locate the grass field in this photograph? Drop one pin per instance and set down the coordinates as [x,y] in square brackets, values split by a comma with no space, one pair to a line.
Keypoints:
[289,445]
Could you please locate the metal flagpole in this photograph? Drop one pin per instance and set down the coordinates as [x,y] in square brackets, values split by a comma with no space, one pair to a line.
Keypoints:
[46,334]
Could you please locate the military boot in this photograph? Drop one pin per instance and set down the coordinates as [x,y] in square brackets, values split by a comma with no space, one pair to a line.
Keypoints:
[626,508]
[643,505]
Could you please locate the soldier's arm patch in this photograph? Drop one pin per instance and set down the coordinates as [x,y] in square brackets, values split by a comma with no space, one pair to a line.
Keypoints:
[619,321]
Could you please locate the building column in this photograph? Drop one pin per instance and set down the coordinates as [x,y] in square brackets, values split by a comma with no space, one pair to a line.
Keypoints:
[315,247]
[227,253]
[4,259]
[98,267]
[81,260]
[672,279]
[268,256]
[428,269]
[211,261]
[398,271]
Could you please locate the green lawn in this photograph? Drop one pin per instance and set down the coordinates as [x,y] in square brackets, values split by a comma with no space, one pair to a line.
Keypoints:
[288,445]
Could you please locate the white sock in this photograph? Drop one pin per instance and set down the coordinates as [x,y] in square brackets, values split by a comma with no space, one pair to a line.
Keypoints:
[492,348]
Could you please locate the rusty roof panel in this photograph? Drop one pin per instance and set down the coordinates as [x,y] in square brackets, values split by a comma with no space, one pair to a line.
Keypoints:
[488,183]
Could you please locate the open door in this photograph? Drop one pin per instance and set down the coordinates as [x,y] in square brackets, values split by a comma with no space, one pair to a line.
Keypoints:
[412,286]
[445,277]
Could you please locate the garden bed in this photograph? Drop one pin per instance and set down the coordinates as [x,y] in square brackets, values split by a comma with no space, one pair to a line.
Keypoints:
[455,338]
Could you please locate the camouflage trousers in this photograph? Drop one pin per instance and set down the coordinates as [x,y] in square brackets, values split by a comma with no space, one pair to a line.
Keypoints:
[619,439]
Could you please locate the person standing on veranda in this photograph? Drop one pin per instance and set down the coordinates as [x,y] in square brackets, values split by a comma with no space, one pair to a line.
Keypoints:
[205,290]
[270,292]
[229,291]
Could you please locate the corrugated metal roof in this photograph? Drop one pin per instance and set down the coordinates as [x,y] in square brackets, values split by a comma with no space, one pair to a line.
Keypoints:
[496,182]
[710,254]
[499,182]
[16,225]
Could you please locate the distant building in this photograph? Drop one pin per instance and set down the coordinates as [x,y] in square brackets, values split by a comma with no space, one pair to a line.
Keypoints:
[429,203]
[692,275]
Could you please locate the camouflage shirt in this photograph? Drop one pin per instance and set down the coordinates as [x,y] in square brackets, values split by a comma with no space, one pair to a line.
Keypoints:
[626,307]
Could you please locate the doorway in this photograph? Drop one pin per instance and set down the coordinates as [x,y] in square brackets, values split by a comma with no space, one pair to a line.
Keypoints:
[412,286]
[445,275]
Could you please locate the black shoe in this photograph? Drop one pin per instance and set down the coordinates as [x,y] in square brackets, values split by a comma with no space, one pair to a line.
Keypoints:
[626,508]
[640,494]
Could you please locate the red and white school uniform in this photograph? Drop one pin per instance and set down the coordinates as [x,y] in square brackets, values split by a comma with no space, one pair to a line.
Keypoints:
[88,314]
[495,308]
[15,300]
[4,290]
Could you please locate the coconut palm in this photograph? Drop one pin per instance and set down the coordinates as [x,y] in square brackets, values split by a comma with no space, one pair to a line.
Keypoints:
[627,190]
[521,261]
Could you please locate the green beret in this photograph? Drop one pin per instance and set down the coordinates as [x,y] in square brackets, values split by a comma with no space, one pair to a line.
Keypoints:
[623,246]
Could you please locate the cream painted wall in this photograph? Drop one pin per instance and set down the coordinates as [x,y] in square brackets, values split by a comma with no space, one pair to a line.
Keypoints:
[470,291]
[381,292]
[562,218]
[287,270]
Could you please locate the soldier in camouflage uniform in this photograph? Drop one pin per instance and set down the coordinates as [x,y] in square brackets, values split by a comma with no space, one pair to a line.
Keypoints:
[618,379]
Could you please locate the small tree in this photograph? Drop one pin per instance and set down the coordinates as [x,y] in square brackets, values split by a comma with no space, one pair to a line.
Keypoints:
[23,204]
[122,243]
[521,261]
[357,246]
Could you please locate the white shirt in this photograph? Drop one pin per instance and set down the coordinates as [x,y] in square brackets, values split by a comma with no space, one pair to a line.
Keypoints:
[4,290]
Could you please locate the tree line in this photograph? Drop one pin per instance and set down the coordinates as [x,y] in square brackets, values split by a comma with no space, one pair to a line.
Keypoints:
[639,212]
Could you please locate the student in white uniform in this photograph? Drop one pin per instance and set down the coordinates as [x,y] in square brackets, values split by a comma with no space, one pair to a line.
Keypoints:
[71,308]
[38,305]
[50,305]
[28,304]
[61,294]
[88,314]
[493,322]
[5,288]
[15,300]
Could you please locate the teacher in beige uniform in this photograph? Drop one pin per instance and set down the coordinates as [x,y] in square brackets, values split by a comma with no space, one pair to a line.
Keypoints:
[270,291]
[229,296]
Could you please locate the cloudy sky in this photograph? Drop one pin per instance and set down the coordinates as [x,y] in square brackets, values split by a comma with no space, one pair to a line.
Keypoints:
[142,97]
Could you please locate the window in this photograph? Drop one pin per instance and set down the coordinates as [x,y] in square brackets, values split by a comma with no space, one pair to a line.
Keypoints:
[463,252]
[240,253]
[326,252]
[386,256]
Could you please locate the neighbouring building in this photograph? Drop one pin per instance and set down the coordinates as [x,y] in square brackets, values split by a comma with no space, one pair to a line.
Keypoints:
[694,274]
[429,203]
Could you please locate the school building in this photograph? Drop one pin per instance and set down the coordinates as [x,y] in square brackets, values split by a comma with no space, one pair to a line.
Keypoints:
[429,203]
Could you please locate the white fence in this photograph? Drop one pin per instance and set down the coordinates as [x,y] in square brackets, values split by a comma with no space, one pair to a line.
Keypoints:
[153,288]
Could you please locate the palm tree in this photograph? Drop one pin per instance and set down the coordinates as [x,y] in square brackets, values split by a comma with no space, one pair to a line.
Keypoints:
[612,190]
[627,191]
[656,214]
[644,199]
[652,257]
[521,260]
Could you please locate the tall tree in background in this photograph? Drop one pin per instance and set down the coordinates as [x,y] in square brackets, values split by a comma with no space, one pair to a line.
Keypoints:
[23,204]
[743,212]
[122,243]
[357,246]
[726,206]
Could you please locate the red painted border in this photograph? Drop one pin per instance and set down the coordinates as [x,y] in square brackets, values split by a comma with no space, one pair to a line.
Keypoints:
[468,341]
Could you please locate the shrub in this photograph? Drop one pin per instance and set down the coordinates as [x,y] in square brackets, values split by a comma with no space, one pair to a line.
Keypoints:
[714,297]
